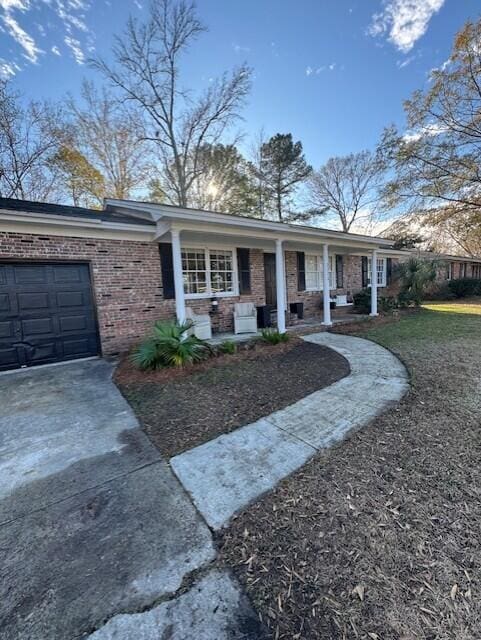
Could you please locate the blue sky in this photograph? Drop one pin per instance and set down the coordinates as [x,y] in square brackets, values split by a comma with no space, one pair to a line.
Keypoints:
[332,72]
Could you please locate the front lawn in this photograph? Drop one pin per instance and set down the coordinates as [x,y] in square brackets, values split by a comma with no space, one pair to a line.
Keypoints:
[180,409]
[379,538]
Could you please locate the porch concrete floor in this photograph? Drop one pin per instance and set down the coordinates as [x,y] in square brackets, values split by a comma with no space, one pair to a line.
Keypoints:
[308,323]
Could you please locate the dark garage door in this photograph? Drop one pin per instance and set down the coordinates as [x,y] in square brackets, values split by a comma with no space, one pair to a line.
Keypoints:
[47,314]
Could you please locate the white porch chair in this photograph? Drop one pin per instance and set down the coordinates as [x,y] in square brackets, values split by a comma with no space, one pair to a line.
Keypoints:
[201,328]
[245,317]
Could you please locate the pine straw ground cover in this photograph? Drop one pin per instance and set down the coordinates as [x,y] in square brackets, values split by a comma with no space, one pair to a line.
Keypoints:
[380,537]
[180,409]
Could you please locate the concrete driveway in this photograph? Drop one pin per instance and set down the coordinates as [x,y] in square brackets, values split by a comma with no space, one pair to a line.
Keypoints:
[92,521]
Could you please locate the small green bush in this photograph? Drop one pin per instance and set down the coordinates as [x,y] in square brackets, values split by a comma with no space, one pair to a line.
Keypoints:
[387,303]
[228,346]
[362,300]
[439,291]
[170,346]
[273,336]
[465,287]
[415,277]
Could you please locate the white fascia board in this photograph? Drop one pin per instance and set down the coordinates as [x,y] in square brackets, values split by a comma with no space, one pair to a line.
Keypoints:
[280,230]
[394,253]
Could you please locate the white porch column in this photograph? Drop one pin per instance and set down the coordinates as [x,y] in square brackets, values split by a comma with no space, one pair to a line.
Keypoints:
[374,284]
[326,293]
[280,287]
[178,278]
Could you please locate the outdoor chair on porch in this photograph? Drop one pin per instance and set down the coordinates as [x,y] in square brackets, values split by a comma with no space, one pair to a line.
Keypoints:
[245,317]
[201,326]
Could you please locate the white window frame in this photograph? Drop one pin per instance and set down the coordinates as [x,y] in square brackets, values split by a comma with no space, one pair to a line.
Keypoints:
[381,282]
[450,271]
[209,293]
[320,280]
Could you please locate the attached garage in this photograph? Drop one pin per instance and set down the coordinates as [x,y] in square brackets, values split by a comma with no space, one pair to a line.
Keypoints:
[47,313]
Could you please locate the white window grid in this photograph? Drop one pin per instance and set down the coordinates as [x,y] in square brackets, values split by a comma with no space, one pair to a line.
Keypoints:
[380,270]
[208,272]
[314,272]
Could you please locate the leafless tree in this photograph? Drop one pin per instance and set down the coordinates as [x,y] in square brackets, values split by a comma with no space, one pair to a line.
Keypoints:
[27,141]
[348,188]
[110,136]
[147,73]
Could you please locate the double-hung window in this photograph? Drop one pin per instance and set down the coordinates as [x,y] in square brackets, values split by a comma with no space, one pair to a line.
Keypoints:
[381,271]
[208,272]
[314,270]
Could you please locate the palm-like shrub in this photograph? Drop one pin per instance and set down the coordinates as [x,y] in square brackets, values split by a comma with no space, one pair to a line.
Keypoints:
[273,336]
[170,346]
[415,276]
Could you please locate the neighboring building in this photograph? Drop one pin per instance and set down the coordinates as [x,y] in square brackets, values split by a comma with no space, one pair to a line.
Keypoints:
[78,282]
[452,267]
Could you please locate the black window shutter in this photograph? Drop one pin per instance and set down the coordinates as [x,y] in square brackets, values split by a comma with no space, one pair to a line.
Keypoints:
[339,272]
[388,271]
[364,271]
[301,271]
[167,266]
[244,271]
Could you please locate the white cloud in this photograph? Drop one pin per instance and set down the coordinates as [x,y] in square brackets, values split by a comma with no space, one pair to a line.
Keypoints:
[317,70]
[68,16]
[433,129]
[7,69]
[404,63]
[239,48]
[75,47]
[22,37]
[405,21]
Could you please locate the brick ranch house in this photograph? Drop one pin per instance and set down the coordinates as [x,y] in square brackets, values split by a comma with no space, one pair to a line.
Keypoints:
[77,282]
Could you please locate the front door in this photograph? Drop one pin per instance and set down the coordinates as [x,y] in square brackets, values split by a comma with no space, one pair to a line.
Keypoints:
[270,278]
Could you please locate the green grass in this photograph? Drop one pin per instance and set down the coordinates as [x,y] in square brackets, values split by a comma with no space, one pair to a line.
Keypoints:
[437,322]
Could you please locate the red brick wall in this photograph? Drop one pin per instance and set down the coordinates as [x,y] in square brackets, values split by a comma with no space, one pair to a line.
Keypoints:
[223,320]
[126,279]
[312,299]
[127,283]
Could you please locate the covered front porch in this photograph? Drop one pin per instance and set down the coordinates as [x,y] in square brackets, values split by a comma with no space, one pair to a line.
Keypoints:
[211,262]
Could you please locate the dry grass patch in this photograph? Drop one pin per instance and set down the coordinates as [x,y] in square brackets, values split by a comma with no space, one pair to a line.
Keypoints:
[380,537]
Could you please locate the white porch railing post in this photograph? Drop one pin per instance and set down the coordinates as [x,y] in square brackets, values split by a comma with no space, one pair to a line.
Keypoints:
[374,284]
[178,277]
[280,287]
[326,293]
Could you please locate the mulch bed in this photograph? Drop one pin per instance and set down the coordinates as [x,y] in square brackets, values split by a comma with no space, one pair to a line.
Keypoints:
[180,410]
[379,538]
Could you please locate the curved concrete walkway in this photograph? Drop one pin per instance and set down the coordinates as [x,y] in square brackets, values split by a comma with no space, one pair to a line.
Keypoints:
[224,475]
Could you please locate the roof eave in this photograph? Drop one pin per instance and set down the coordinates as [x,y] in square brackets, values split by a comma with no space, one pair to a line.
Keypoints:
[176,214]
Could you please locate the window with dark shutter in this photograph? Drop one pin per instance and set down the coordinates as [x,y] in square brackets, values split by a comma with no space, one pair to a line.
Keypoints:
[339,272]
[301,271]
[388,271]
[167,267]
[244,271]
[364,270]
